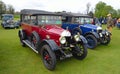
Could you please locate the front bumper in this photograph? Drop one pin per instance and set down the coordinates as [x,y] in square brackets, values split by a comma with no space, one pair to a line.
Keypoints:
[103,35]
[70,42]
[9,26]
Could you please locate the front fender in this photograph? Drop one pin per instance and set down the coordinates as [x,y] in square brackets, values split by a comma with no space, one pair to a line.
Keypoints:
[51,43]
[83,39]
[77,29]
[93,33]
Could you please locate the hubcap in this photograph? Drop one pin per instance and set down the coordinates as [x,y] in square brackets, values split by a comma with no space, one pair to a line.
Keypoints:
[80,50]
[34,41]
[47,57]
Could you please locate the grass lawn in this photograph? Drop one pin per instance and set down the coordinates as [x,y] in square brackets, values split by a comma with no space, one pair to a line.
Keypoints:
[15,59]
[16,17]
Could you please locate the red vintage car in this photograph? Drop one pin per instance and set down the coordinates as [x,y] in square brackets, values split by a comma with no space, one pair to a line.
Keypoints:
[41,31]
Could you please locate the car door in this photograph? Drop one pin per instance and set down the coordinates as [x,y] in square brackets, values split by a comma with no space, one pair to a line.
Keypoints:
[26,26]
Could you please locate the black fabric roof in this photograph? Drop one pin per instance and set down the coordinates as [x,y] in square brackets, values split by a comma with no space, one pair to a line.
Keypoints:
[73,14]
[42,12]
[80,15]
[7,15]
[64,13]
[35,12]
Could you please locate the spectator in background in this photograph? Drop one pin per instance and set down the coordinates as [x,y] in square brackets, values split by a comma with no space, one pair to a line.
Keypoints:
[104,21]
[93,22]
[109,22]
[97,22]
[115,21]
[118,23]
[100,20]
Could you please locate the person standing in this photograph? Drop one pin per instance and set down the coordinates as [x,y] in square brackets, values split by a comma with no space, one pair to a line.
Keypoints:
[118,23]
[109,22]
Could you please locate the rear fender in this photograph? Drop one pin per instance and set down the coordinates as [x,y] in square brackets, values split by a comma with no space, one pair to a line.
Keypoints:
[22,33]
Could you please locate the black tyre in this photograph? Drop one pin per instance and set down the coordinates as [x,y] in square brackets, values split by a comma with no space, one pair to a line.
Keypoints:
[35,40]
[80,51]
[4,27]
[92,41]
[17,27]
[1,24]
[106,40]
[22,36]
[48,57]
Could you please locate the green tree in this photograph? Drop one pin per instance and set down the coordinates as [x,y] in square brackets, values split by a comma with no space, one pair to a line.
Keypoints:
[114,14]
[10,9]
[2,8]
[99,9]
[118,13]
[102,9]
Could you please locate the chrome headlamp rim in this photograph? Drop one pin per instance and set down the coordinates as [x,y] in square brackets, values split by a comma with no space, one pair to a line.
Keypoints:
[100,34]
[107,33]
[62,40]
[76,37]
[99,28]
[7,21]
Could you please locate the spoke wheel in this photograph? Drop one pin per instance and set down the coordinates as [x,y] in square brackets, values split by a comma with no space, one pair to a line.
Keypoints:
[92,41]
[48,57]
[80,51]
[34,41]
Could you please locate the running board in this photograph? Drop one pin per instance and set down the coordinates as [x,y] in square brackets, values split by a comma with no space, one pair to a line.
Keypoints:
[28,43]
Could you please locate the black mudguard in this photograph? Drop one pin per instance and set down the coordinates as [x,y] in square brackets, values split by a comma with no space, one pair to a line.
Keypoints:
[51,43]
[83,39]
[77,29]
[94,34]
[23,34]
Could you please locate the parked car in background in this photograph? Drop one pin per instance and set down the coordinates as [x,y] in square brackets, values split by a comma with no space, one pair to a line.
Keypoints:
[76,22]
[8,22]
[41,31]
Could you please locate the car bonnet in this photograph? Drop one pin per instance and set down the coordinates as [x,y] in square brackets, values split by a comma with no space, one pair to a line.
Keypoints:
[57,30]
[90,26]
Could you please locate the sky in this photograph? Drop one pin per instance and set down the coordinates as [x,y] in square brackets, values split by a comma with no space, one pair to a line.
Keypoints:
[59,5]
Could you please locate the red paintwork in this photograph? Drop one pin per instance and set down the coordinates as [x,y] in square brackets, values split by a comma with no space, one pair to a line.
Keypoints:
[53,31]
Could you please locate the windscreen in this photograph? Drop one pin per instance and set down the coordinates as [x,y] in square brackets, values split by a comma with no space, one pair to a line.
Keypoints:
[83,20]
[49,20]
[7,17]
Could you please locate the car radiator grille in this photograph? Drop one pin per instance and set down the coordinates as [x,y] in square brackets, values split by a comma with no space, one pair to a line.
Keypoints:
[69,40]
[99,31]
